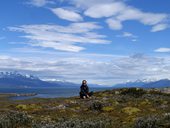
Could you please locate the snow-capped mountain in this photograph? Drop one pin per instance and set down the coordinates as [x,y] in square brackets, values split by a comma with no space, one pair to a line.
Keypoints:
[137,83]
[14,79]
[158,84]
[145,83]
[16,75]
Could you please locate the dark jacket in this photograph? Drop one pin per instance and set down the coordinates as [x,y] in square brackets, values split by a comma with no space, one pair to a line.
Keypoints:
[84,89]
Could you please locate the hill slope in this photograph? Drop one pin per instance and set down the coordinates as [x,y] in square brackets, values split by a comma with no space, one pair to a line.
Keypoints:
[16,80]
[119,108]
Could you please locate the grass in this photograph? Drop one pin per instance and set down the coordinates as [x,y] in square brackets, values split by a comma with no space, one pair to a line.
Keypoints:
[120,108]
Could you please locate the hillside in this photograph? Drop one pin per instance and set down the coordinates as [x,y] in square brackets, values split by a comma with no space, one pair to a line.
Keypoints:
[118,108]
[17,80]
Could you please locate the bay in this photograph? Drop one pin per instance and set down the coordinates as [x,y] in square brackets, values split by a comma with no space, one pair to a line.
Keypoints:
[47,92]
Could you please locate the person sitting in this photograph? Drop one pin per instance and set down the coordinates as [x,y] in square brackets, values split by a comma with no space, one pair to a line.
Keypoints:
[84,90]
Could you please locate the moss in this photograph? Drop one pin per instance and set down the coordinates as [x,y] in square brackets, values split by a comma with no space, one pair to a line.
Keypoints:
[108,108]
[21,106]
[28,107]
[145,102]
[130,110]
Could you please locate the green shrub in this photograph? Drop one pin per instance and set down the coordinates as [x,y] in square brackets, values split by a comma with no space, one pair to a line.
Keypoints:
[135,92]
[14,119]
[77,123]
[153,122]
[96,106]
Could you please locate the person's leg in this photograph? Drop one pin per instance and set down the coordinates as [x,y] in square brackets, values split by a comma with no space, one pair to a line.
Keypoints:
[81,95]
[90,94]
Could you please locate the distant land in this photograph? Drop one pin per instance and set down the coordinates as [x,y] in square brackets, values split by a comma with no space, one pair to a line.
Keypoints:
[145,84]
[18,80]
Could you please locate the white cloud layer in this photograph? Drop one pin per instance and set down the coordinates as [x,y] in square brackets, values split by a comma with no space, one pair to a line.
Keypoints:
[40,3]
[128,35]
[163,50]
[115,11]
[159,27]
[99,69]
[67,14]
[118,11]
[104,10]
[114,24]
[64,38]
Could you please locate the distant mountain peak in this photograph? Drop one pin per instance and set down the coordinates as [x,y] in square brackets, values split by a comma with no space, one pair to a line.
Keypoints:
[145,83]
[17,75]
[15,79]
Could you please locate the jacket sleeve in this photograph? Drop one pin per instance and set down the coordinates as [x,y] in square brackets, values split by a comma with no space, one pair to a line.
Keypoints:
[87,89]
[82,89]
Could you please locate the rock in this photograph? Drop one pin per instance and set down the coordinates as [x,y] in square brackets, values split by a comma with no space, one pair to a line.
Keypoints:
[61,106]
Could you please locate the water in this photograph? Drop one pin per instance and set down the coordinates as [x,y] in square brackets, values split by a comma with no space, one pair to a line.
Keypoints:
[46,92]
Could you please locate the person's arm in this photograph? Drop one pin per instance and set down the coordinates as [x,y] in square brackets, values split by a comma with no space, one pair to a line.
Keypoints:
[87,89]
[82,89]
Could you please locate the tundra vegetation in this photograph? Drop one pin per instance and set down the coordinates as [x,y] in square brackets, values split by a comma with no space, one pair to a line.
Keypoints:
[117,108]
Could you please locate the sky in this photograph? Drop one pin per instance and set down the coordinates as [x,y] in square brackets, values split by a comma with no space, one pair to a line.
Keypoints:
[103,41]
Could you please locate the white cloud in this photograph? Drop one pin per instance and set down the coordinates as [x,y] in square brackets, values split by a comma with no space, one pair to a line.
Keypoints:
[86,4]
[134,14]
[65,38]
[134,40]
[129,36]
[67,14]
[105,10]
[40,3]
[99,69]
[118,12]
[159,27]
[114,24]
[162,50]
[143,17]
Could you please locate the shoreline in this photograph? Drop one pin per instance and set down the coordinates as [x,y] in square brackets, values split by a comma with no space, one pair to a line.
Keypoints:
[17,94]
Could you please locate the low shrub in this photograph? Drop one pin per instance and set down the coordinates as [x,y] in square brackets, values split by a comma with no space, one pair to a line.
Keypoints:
[77,123]
[153,122]
[14,119]
[135,92]
[96,106]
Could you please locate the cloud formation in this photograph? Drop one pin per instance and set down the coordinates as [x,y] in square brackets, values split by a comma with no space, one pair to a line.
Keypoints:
[128,35]
[64,38]
[163,50]
[159,27]
[40,3]
[108,10]
[67,14]
[96,68]
[117,12]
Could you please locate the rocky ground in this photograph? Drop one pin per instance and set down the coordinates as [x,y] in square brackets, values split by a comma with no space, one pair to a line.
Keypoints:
[119,108]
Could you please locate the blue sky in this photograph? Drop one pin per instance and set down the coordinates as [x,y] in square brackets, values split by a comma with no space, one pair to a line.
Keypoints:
[103,41]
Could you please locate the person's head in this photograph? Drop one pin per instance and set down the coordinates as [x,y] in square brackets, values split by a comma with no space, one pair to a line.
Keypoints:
[84,82]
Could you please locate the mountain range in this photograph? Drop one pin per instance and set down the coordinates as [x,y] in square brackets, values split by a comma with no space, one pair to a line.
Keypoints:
[17,80]
[145,84]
